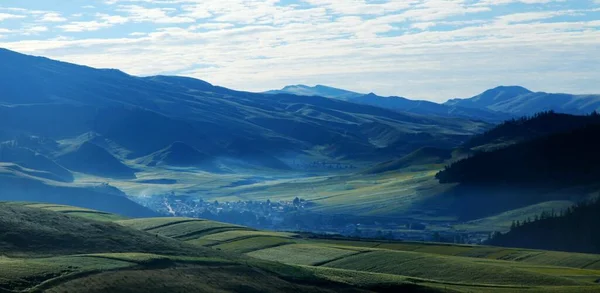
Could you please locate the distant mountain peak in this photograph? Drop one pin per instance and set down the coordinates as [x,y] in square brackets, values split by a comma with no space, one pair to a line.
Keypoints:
[317,90]
[513,89]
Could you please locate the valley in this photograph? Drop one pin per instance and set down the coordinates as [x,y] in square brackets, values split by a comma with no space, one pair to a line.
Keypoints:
[251,146]
[176,146]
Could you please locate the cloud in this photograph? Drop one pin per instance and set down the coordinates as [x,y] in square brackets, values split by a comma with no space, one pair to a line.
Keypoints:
[102,21]
[137,13]
[433,49]
[6,16]
[52,17]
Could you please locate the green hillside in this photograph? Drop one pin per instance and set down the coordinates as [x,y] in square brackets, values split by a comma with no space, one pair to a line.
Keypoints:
[460,268]
[424,157]
[53,248]
[69,251]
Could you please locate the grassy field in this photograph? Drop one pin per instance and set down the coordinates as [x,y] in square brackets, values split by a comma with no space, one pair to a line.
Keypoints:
[192,255]
[457,268]
[50,251]
[302,254]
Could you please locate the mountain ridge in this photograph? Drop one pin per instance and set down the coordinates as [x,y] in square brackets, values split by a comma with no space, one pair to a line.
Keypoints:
[519,101]
[395,103]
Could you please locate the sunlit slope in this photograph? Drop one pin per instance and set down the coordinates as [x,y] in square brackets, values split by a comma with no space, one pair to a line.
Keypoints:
[460,267]
[65,251]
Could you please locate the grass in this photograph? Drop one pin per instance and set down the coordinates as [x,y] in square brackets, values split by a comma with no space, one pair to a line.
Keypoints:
[194,229]
[253,244]
[22,274]
[152,223]
[447,269]
[301,254]
[36,231]
[95,256]
[75,211]
[237,234]
[535,257]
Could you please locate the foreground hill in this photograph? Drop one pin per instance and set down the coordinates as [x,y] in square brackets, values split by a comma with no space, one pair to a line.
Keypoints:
[71,251]
[35,231]
[459,268]
[54,251]
[520,101]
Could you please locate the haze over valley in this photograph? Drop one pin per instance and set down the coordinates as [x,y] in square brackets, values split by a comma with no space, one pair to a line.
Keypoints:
[299,146]
[284,160]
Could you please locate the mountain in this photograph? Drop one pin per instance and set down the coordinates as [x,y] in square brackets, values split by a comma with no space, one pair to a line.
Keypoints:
[318,90]
[491,97]
[394,103]
[519,101]
[145,115]
[112,125]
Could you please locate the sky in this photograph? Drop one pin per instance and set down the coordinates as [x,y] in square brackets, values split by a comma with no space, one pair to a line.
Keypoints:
[420,49]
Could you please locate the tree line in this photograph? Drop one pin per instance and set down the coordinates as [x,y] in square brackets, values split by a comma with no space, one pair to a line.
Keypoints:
[557,160]
[576,229]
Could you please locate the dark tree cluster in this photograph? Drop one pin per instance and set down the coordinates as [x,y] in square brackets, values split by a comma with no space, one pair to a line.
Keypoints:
[576,229]
[558,160]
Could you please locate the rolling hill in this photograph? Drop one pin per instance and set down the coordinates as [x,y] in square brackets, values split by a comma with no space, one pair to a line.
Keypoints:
[26,158]
[20,185]
[53,248]
[459,268]
[47,248]
[178,154]
[91,159]
[519,101]
[420,157]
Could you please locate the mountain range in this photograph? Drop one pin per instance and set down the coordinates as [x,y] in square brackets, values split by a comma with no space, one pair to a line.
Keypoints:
[493,105]
[66,130]
[64,125]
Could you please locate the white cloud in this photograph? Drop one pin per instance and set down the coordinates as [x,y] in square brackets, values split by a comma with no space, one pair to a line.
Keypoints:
[137,13]
[102,21]
[52,17]
[433,49]
[6,16]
